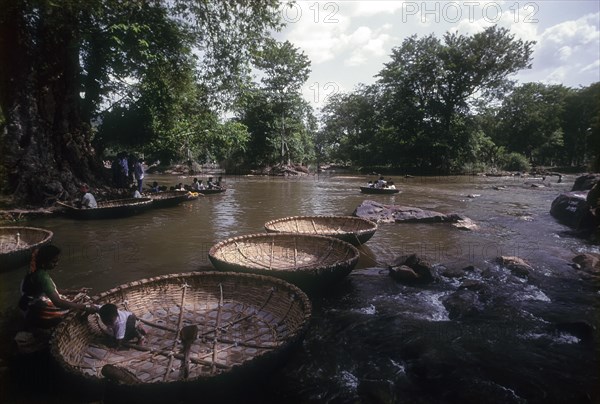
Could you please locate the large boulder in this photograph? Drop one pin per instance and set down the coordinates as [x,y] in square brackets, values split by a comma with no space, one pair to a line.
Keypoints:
[516,265]
[381,213]
[571,209]
[411,269]
[585,182]
[588,262]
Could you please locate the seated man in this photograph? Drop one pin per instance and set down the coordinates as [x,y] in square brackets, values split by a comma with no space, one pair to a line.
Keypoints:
[87,200]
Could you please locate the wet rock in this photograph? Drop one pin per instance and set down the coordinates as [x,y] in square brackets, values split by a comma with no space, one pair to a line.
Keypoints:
[473,285]
[403,273]
[381,213]
[411,268]
[571,209]
[585,182]
[462,303]
[516,265]
[465,224]
[588,262]
[452,273]
[377,391]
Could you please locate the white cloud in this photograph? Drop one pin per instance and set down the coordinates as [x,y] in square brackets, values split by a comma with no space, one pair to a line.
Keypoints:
[593,67]
[515,19]
[370,8]
[568,46]
[364,44]
[349,41]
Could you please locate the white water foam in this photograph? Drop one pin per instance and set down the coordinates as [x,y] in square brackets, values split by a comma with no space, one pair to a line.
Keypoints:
[370,310]
[532,293]
[560,338]
[401,368]
[438,312]
[348,380]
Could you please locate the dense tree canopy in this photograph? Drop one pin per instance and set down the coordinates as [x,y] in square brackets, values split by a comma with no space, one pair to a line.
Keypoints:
[448,106]
[428,85]
[69,60]
[280,120]
[90,78]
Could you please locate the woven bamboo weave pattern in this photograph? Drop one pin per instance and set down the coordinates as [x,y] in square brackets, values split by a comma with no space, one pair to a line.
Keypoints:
[306,260]
[352,229]
[17,243]
[239,317]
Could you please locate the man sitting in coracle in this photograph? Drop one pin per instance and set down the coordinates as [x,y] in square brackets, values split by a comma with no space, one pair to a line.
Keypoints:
[87,200]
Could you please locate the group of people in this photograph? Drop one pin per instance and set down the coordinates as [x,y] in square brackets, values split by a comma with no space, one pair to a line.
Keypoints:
[44,305]
[127,170]
[198,185]
[382,183]
[88,201]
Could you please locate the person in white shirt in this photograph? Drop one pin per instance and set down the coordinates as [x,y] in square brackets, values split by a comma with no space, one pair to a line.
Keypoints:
[87,200]
[138,172]
[123,325]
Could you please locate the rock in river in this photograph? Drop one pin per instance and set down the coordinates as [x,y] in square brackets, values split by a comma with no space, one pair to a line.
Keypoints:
[381,213]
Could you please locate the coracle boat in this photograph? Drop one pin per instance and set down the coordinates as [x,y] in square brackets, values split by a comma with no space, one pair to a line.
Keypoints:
[212,191]
[169,198]
[369,190]
[355,230]
[17,243]
[204,330]
[109,209]
[309,261]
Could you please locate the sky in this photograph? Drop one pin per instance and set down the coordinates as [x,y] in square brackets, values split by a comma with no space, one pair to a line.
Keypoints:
[348,42]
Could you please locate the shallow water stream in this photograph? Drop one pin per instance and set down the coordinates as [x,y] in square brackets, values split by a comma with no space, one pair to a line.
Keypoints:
[481,335]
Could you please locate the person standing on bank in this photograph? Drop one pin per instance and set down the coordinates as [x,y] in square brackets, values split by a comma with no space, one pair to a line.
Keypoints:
[138,172]
[42,304]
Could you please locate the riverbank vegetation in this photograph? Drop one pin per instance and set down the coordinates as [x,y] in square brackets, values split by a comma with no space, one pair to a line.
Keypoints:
[206,82]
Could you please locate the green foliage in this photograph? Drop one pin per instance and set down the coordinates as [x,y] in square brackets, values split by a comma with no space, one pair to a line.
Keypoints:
[418,114]
[514,162]
[279,120]
[160,103]
[581,127]
[530,121]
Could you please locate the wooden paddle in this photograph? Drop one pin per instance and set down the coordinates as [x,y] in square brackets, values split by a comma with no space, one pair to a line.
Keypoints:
[188,335]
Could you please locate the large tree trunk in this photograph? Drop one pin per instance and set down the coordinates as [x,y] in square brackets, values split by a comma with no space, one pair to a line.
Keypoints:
[45,145]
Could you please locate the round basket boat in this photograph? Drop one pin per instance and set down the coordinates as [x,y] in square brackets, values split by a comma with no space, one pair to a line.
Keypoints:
[169,198]
[115,208]
[204,329]
[352,229]
[308,261]
[385,191]
[17,243]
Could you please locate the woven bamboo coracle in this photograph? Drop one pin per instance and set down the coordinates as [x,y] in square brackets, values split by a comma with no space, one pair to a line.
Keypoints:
[309,261]
[17,243]
[239,321]
[166,194]
[168,198]
[124,202]
[110,209]
[355,230]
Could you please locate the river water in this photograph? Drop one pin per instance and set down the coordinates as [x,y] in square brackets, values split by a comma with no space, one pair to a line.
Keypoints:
[503,339]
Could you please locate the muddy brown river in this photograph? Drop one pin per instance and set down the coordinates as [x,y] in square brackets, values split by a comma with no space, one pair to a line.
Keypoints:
[372,340]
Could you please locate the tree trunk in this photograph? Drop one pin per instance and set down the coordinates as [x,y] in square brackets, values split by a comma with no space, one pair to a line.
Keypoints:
[46,145]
